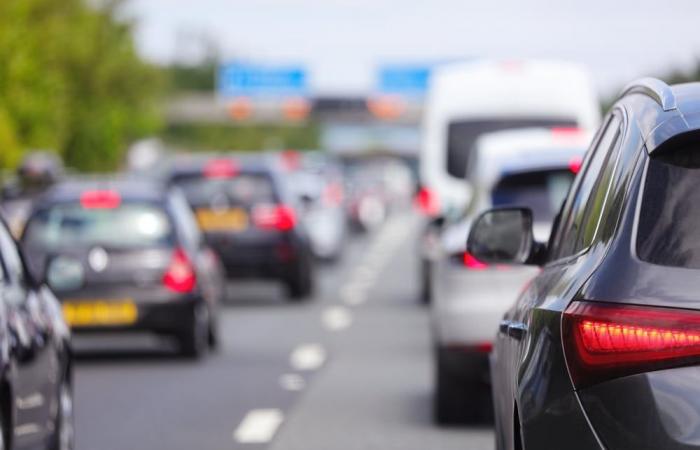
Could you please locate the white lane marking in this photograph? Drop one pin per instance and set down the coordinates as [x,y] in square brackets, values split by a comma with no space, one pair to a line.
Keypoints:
[258,426]
[336,318]
[307,357]
[292,382]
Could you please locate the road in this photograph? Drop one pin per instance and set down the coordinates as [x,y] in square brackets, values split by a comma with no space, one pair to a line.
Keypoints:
[349,369]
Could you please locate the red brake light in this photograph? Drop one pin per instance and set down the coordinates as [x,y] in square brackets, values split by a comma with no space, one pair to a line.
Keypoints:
[180,276]
[274,217]
[100,200]
[471,262]
[427,202]
[604,341]
[333,194]
[575,164]
[220,168]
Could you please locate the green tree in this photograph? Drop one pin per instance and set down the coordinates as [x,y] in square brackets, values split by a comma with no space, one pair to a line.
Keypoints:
[71,80]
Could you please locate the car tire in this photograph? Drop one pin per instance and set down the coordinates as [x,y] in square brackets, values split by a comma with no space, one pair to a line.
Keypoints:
[301,286]
[459,400]
[425,287]
[194,342]
[213,340]
[64,433]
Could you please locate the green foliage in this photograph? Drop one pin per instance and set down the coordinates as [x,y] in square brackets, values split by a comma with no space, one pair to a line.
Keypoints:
[192,78]
[70,79]
[242,137]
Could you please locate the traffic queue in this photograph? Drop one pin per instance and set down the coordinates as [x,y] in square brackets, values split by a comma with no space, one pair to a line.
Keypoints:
[557,257]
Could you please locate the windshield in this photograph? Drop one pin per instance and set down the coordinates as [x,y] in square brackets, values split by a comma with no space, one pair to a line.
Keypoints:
[128,226]
[461,136]
[244,190]
[542,191]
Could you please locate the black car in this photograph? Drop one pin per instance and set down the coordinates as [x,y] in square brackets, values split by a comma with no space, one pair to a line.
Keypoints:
[124,255]
[36,400]
[602,349]
[249,216]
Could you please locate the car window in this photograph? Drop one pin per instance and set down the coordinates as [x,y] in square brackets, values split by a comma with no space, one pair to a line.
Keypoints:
[243,190]
[669,230]
[131,225]
[573,216]
[543,191]
[462,134]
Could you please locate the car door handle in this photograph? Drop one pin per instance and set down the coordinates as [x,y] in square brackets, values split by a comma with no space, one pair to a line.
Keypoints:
[503,326]
[517,330]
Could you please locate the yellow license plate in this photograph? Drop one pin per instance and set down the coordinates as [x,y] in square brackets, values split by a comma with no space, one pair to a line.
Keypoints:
[100,313]
[222,220]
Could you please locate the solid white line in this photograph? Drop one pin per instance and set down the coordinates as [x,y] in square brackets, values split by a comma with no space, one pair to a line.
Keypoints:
[307,357]
[258,426]
[336,318]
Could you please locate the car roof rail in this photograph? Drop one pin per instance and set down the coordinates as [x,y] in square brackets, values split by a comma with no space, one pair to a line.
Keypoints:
[659,91]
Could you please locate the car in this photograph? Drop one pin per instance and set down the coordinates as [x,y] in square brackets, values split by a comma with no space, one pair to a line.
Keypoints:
[249,216]
[36,369]
[602,348]
[321,199]
[126,256]
[468,99]
[528,167]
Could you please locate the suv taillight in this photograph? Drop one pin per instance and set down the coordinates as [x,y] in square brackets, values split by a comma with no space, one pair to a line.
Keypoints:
[427,202]
[604,341]
[274,217]
[180,276]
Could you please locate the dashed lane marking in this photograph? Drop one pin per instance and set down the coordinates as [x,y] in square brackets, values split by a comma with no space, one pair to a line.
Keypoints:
[258,426]
[307,357]
[336,318]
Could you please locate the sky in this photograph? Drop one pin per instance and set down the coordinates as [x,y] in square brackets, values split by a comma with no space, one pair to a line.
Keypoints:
[342,42]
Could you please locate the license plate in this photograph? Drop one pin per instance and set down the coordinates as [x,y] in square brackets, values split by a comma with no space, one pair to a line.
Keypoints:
[222,220]
[100,313]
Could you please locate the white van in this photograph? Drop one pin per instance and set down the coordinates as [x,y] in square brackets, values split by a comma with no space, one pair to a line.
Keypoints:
[468,99]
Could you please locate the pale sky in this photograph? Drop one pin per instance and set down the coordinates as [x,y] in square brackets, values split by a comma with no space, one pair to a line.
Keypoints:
[342,41]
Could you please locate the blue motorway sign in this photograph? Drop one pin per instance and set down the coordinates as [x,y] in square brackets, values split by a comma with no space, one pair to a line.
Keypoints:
[404,79]
[258,80]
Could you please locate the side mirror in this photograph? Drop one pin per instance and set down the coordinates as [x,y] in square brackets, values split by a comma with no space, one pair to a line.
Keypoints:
[504,236]
[64,273]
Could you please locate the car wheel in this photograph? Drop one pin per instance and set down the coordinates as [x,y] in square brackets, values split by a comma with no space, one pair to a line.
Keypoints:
[213,340]
[194,342]
[300,287]
[459,399]
[64,434]
[425,287]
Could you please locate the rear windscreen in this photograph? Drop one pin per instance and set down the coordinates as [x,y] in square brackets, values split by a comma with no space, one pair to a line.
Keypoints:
[69,225]
[462,135]
[243,190]
[542,191]
[669,220]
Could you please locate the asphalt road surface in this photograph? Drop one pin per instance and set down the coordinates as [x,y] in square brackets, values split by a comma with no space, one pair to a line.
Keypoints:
[349,369]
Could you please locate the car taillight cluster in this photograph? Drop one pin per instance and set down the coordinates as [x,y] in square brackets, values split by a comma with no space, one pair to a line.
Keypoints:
[180,276]
[106,199]
[274,217]
[427,202]
[333,194]
[470,262]
[604,341]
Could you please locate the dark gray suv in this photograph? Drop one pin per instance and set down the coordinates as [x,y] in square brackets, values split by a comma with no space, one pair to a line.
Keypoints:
[602,349]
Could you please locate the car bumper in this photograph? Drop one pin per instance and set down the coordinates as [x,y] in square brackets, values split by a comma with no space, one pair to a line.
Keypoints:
[168,317]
